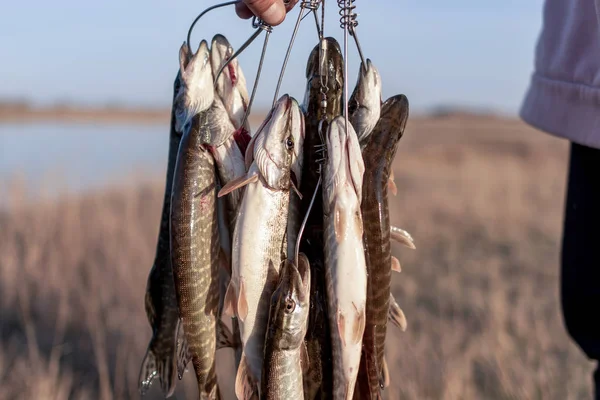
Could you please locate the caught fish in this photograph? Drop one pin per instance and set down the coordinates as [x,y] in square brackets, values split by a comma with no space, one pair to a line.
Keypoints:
[231,84]
[285,352]
[318,379]
[195,247]
[364,106]
[345,269]
[196,92]
[161,300]
[378,155]
[274,158]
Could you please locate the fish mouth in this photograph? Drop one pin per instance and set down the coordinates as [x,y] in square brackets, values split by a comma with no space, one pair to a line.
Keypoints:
[221,52]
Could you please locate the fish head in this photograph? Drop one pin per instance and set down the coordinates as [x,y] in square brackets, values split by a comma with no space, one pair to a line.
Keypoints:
[290,303]
[325,66]
[231,84]
[367,92]
[278,146]
[380,148]
[344,162]
[196,92]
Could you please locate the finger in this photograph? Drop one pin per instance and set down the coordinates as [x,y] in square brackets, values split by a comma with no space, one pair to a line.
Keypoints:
[243,11]
[290,5]
[270,11]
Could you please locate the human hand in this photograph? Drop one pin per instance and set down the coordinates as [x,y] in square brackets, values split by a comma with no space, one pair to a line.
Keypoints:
[273,12]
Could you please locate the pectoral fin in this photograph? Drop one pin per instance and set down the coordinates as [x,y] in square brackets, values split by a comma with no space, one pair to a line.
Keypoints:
[396,315]
[392,185]
[242,303]
[385,374]
[238,183]
[359,327]
[396,265]
[230,303]
[341,323]
[339,221]
[402,237]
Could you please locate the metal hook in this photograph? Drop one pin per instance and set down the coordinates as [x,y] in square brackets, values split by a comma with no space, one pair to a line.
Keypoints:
[189,35]
[260,65]
[310,5]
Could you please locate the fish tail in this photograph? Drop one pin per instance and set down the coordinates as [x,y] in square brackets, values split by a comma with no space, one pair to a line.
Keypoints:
[153,367]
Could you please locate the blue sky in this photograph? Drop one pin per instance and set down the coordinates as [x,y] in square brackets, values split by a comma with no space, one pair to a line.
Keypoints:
[464,52]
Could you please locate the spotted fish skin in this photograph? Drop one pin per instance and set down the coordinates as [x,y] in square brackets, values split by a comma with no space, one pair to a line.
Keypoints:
[195,253]
[285,352]
[318,379]
[160,300]
[258,247]
[378,155]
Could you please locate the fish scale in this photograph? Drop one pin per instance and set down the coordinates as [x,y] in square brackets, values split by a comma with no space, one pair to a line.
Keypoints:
[378,154]
[195,250]
[285,354]
[318,380]
[161,298]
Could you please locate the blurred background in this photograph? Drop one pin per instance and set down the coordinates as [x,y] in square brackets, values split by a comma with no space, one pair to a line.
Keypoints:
[84,123]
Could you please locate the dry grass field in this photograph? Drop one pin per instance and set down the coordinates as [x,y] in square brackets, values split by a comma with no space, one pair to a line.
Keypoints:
[482,197]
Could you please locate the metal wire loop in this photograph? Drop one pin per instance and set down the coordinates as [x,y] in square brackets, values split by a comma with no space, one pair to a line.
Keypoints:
[259,23]
[348,18]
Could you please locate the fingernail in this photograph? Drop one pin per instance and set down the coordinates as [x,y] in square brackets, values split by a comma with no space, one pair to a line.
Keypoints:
[275,14]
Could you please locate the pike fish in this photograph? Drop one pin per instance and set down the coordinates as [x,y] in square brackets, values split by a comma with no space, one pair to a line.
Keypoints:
[318,379]
[196,93]
[345,270]
[364,106]
[194,235]
[161,299]
[231,84]
[274,158]
[378,156]
[232,94]
[285,351]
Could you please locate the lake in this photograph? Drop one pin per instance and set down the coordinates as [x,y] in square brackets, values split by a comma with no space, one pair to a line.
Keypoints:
[82,155]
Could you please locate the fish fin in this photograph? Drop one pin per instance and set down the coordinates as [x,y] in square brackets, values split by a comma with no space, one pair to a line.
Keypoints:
[230,302]
[392,185]
[402,237]
[183,351]
[242,303]
[238,183]
[341,324]
[385,374]
[396,265]
[359,327]
[304,360]
[148,372]
[161,368]
[224,336]
[396,315]
[245,385]
[339,221]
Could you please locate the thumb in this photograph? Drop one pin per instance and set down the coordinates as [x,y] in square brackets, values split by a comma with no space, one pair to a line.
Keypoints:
[271,11]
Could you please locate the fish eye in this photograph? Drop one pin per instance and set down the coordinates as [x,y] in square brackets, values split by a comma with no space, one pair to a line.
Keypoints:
[290,305]
[289,143]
